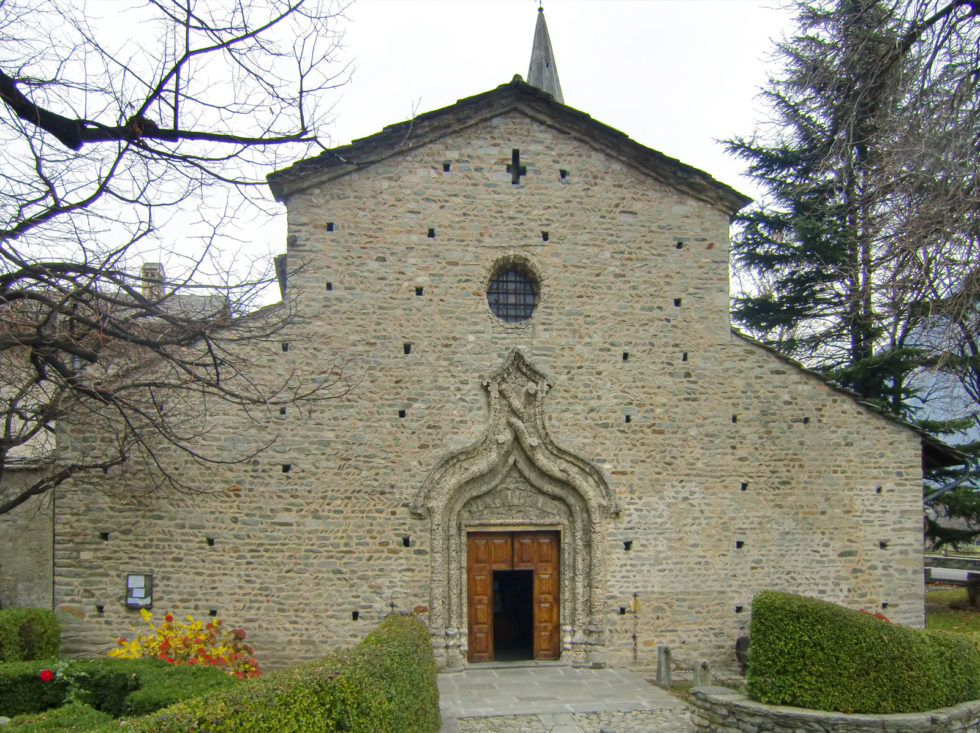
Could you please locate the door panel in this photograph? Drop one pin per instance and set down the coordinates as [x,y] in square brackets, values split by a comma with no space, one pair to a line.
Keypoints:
[484,552]
[489,551]
[547,623]
[523,551]
[500,551]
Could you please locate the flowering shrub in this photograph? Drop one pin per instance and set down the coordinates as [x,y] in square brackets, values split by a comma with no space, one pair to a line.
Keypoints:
[192,642]
[877,614]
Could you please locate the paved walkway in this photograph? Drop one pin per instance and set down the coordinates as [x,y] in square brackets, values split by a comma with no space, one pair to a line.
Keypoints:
[554,698]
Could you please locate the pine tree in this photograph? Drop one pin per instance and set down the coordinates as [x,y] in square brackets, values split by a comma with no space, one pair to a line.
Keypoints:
[868,231]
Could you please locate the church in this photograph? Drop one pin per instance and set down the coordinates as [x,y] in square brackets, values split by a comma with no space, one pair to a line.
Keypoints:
[555,447]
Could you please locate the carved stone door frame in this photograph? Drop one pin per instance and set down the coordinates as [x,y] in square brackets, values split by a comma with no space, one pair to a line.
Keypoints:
[516,460]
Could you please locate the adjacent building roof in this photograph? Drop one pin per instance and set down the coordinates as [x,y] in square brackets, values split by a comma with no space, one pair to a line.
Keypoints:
[516,96]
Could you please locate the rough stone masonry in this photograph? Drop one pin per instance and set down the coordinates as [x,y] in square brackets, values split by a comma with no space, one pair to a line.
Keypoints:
[683,466]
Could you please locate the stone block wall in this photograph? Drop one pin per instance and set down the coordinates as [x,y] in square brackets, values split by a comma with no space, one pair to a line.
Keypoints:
[25,546]
[719,710]
[733,470]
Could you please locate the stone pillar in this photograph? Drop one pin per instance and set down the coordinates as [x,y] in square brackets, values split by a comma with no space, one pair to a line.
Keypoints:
[665,666]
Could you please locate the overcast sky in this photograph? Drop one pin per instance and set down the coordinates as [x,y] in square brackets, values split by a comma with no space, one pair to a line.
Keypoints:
[674,75]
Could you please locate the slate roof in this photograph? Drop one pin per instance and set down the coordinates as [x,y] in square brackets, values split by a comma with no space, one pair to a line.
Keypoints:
[519,96]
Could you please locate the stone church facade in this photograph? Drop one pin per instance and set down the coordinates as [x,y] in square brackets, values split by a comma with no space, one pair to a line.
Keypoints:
[555,448]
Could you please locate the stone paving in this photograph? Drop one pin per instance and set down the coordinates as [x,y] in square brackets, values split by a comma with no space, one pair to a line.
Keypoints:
[555,698]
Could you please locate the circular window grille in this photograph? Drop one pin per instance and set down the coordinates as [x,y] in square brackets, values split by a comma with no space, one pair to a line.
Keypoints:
[513,293]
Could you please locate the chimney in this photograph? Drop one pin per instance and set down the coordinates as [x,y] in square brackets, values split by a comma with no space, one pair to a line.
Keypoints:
[152,280]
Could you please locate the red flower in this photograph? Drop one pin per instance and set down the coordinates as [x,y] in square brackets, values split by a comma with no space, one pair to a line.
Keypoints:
[46,675]
[169,618]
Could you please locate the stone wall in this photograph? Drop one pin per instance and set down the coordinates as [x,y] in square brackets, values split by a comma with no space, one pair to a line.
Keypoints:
[719,710]
[955,563]
[731,469]
[25,546]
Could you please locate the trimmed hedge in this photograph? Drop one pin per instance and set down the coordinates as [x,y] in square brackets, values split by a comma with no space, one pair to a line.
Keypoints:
[814,654]
[76,716]
[165,684]
[387,683]
[28,633]
[112,686]
[22,691]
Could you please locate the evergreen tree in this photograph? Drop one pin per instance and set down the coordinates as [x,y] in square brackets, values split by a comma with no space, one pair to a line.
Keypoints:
[863,251]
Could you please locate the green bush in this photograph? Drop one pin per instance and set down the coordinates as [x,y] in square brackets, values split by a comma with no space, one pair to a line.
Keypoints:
[387,683]
[22,690]
[112,686]
[164,684]
[28,633]
[817,655]
[74,717]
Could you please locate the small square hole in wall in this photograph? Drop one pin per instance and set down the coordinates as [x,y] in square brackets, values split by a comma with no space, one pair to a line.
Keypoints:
[734,419]
[210,541]
[432,233]
[329,285]
[329,226]
[628,419]
[544,236]
[401,413]
[877,489]
[282,410]
[285,346]
[884,605]
[562,173]
[739,544]
[355,615]
[677,302]
[684,356]
[100,610]
[882,545]
[287,467]
[744,486]
[679,245]
[104,536]
[212,612]
[446,165]
[407,348]
[806,421]
[738,609]
[626,356]
[418,291]
[628,545]
[406,540]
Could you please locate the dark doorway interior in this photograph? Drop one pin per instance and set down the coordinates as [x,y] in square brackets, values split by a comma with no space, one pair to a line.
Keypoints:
[513,614]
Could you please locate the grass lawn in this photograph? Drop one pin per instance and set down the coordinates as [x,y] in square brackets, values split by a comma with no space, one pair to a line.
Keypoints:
[948,610]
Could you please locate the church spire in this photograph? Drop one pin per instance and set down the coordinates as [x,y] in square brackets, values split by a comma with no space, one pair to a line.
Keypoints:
[542,72]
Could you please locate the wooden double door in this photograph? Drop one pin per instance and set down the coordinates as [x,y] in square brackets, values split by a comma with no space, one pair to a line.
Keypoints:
[512,595]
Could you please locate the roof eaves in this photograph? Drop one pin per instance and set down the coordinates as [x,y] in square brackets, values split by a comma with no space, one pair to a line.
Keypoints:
[517,94]
[25,463]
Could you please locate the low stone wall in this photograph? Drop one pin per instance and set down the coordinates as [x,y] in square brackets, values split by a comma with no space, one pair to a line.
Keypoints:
[954,563]
[720,710]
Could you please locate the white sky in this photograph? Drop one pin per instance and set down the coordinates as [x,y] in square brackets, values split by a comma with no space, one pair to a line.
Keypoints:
[674,75]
